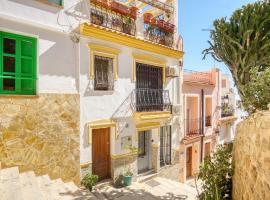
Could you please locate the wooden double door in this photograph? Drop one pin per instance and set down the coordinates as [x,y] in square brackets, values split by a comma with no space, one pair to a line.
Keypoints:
[101,153]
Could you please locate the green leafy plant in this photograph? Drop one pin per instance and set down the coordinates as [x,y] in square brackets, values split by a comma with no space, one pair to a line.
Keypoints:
[89,180]
[216,175]
[127,171]
[119,181]
[257,90]
[242,42]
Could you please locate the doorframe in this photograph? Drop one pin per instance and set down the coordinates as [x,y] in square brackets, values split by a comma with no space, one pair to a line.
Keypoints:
[188,146]
[110,148]
[149,148]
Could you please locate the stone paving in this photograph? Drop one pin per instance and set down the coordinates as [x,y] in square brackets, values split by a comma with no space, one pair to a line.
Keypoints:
[155,189]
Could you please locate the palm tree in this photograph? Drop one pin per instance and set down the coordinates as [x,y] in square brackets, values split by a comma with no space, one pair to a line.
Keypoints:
[242,42]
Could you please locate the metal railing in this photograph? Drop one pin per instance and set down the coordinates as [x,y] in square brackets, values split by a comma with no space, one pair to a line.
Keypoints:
[198,77]
[105,17]
[192,127]
[147,100]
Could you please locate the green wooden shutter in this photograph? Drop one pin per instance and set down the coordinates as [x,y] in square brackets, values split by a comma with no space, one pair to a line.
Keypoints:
[58,2]
[23,59]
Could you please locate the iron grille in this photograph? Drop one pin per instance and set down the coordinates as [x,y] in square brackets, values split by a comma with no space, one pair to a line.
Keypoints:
[112,20]
[165,145]
[145,100]
[103,68]
[192,127]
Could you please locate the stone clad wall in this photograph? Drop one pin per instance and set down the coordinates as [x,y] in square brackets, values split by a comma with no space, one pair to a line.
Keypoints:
[41,134]
[251,158]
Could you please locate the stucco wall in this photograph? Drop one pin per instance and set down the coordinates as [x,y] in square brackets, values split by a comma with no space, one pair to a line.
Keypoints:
[251,158]
[41,134]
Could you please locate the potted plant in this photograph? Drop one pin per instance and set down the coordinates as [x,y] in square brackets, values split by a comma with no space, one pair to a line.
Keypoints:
[127,176]
[127,25]
[147,17]
[89,181]
[133,12]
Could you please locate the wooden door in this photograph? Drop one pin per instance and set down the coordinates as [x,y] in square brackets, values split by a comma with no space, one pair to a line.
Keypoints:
[189,162]
[101,153]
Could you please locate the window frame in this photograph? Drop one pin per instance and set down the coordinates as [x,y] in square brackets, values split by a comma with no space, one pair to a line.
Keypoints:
[18,75]
[103,51]
[52,3]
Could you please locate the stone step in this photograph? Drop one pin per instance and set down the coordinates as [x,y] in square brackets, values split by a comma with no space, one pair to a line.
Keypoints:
[10,184]
[45,185]
[30,188]
[146,176]
[59,187]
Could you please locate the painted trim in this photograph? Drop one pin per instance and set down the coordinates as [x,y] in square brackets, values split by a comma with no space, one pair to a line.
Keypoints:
[149,60]
[85,165]
[147,126]
[109,52]
[98,124]
[124,155]
[143,116]
[106,34]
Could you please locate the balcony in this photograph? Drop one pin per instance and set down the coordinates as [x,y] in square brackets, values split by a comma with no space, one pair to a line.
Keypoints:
[199,77]
[150,100]
[227,110]
[123,17]
[192,127]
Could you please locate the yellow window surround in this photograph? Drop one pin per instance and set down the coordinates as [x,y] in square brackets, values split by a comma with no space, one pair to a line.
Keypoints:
[108,52]
[149,60]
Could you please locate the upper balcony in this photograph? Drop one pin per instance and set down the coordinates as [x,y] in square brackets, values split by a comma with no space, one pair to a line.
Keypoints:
[195,77]
[151,21]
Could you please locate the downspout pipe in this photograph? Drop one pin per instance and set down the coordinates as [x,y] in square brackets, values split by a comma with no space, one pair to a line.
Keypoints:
[202,122]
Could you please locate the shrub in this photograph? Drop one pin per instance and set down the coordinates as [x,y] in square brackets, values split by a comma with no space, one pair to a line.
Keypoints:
[216,175]
[89,180]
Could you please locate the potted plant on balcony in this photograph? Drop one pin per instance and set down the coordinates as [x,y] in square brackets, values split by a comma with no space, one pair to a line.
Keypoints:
[97,18]
[119,8]
[133,12]
[147,17]
[127,25]
[102,3]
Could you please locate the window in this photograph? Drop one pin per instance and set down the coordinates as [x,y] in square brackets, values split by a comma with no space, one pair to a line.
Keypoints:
[58,2]
[103,73]
[223,83]
[142,143]
[17,64]
[53,2]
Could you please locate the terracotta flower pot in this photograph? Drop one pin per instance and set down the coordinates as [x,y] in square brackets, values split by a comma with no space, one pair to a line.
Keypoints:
[119,8]
[147,17]
[168,27]
[160,24]
[154,21]
[133,12]
[102,3]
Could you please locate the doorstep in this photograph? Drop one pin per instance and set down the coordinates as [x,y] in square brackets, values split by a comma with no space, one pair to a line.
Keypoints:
[146,176]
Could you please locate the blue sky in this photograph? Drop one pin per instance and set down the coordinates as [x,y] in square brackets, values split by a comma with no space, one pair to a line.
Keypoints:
[195,15]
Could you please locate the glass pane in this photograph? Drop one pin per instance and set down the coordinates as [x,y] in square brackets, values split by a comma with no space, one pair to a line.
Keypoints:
[27,48]
[26,66]
[9,46]
[9,84]
[27,85]
[9,64]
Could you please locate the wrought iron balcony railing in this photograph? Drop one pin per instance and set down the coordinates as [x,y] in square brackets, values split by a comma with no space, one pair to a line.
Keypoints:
[147,100]
[115,16]
[192,127]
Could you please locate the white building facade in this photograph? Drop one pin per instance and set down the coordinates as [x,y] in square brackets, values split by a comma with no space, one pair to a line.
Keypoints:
[104,92]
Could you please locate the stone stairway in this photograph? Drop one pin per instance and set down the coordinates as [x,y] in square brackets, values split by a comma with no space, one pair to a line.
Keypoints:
[28,186]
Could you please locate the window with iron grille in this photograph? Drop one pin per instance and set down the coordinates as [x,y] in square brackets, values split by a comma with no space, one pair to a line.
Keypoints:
[103,68]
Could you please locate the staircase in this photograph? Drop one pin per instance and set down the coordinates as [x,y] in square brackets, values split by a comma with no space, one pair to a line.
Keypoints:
[28,186]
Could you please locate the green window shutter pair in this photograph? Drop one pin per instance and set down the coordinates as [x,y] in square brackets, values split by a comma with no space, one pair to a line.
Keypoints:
[18,64]
[58,2]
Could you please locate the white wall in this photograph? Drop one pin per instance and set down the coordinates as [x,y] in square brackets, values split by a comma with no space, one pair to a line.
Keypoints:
[96,105]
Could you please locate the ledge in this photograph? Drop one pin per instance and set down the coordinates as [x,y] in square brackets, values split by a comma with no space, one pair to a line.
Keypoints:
[145,116]
[227,119]
[99,32]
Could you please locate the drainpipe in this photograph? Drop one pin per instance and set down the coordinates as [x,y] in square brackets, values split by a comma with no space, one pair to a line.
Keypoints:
[202,122]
